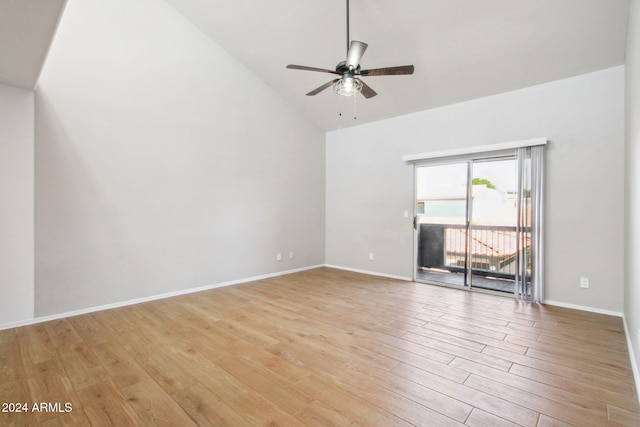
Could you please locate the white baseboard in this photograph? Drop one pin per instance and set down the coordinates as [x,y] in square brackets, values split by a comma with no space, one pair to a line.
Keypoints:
[584,308]
[149,298]
[371,273]
[634,366]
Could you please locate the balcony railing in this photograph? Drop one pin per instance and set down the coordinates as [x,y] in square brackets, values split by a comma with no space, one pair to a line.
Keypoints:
[493,249]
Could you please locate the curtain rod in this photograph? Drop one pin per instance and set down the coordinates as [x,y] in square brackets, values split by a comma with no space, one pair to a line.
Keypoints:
[475,150]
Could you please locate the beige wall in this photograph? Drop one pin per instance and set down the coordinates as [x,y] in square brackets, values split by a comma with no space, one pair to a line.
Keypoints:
[162,164]
[16,204]
[632,167]
[369,187]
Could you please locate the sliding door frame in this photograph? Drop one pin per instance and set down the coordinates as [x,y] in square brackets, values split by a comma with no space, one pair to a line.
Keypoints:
[469,159]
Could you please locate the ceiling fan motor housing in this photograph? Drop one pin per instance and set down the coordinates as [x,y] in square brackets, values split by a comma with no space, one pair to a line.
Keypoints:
[342,68]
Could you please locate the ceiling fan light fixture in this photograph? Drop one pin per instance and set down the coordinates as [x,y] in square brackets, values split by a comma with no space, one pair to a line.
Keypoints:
[347,86]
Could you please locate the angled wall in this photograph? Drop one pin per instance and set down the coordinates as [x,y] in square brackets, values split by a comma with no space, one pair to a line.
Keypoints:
[163,164]
[632,168]
[16,204]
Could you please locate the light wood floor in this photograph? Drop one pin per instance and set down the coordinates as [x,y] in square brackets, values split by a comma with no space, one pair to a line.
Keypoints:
[323,347]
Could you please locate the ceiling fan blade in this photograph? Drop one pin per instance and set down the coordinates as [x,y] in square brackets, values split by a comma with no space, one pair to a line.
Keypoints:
[321,88]
[305,68]
[356,50]
[366,91]
[388,71]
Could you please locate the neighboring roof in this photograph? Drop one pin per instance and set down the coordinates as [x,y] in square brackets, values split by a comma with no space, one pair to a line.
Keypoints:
[500,244]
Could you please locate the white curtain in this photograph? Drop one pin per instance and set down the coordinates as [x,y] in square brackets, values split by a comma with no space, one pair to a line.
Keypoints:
[530,227]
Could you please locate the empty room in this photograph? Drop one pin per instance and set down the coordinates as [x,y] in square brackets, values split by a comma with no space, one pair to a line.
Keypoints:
[319,213]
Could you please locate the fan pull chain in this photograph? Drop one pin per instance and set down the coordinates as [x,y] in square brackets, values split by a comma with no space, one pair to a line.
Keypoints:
[355,106]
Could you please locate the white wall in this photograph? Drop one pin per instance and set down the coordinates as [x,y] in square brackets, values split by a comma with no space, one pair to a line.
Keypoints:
[632,167]
[16,204]
[369,187]
[163,164]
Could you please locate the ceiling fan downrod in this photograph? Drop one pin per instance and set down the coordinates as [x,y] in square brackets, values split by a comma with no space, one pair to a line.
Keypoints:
[348,41]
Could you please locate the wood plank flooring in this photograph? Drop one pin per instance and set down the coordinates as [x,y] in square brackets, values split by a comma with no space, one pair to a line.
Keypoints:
[320,348]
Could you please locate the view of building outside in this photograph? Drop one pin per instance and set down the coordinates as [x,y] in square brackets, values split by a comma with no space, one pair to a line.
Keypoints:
[442,207]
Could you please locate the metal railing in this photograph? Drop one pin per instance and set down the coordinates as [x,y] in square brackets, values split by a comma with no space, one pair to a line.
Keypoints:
[493,249]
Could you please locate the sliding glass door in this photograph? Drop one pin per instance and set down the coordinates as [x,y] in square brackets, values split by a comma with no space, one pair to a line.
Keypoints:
[466,224]
[441,215]
[493,249]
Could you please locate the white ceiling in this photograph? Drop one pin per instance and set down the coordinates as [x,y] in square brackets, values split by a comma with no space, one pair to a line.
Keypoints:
[462,49]
[26,30]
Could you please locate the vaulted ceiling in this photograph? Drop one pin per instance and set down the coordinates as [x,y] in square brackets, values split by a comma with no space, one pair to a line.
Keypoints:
[461,49]
[26,30]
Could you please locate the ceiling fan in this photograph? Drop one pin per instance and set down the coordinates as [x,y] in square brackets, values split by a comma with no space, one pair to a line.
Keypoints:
[349,83]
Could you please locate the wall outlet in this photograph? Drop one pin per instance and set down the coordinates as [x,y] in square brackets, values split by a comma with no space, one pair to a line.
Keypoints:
[584,282]
[278,256]
[290,255]
[370,256]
